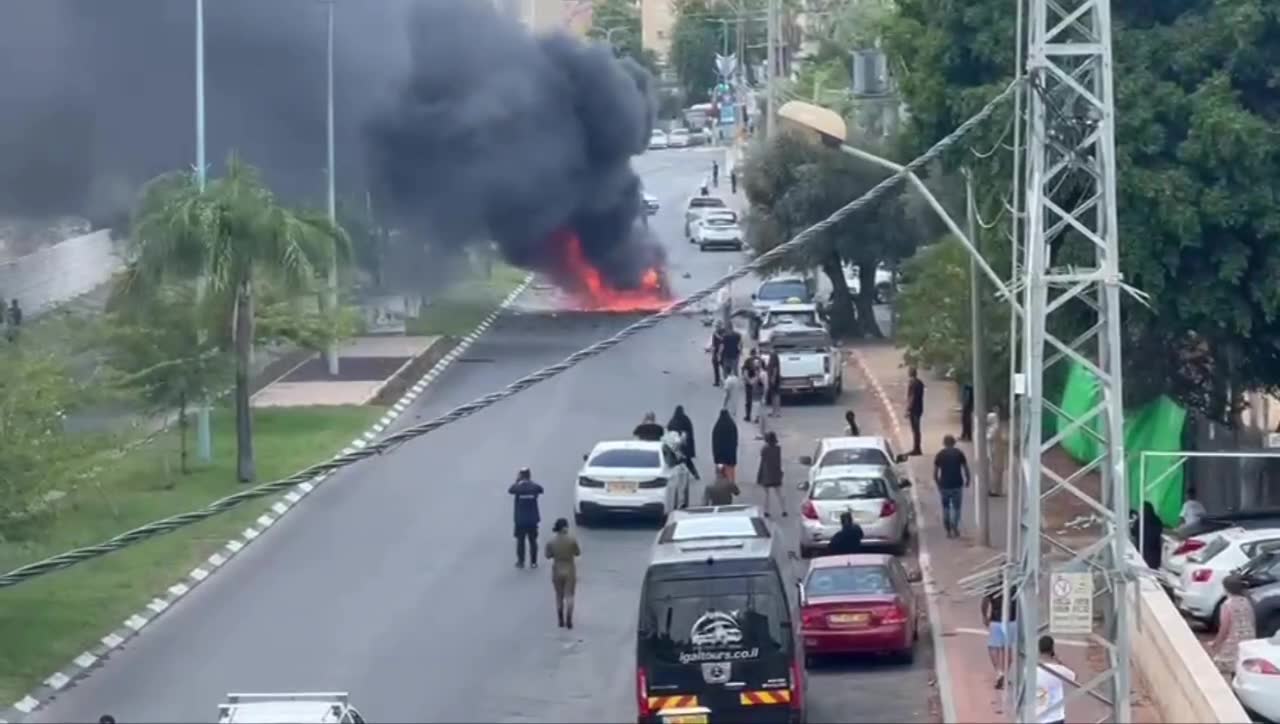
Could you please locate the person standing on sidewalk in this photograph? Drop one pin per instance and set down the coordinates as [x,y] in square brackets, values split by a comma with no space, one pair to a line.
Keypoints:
[1000,633]
[715,174]
[773,383]
[724,444]
[733,180]
[769,475]
[527,516]
[1051,691]
[951,474]
[915,408]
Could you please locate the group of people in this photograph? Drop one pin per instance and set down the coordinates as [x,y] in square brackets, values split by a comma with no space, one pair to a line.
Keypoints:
[759,378]
[715,179]
[562,550]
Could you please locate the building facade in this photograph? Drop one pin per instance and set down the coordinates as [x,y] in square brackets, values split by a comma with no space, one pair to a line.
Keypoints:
[657,19]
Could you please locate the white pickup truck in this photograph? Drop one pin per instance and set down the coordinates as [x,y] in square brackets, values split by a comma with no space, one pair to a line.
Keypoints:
[810,362]
[302,708]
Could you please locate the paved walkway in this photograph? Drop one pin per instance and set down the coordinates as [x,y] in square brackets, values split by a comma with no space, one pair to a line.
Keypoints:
[365,366]
[965,670]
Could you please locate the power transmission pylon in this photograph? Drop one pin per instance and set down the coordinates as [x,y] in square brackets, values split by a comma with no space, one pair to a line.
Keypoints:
[1071,202]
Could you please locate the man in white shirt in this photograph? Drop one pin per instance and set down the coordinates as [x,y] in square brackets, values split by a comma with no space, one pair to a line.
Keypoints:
[1192,510]
[1051,689]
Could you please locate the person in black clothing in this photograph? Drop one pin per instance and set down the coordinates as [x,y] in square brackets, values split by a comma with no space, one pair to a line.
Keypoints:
[527,517]
[715,174]
[717,351]
[848,539]
[951,474]
[106,719]
[681,423]
[724,445]
[1152,543]
[733,180]
[915,408]
[730,351]
[851,420]
[649,429]
[966,413]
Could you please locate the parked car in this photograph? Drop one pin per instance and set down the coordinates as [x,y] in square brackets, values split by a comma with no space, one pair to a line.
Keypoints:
[630,477]
[658,140]
[1199,592]
[810,362]
[651,205]
[1262,579]
[678,138]
[873,494]
[863,450]
[717,230]
[861,603]
[1178,550]
[698,206]
[1257,678]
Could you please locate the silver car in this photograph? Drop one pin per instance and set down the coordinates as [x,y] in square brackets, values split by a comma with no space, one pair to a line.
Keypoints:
[874,494]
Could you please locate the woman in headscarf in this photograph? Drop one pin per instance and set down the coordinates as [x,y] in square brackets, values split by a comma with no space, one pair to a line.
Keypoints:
[769,476]
[681,423]
[724,444]
[851,424]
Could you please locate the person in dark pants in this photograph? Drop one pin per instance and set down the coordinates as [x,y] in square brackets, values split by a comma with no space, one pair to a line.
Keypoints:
[724,445]
[715,174]
[951,474]
[733,180]
[730,351]
[717,352]
[915,408]
[773,382]
[681,423]
[966,413]
[752,381]
[1151,543]
[527,517]
[848,539]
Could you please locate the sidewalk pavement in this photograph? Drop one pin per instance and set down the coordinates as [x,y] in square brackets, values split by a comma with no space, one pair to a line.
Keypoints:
[965,673]
[365,366]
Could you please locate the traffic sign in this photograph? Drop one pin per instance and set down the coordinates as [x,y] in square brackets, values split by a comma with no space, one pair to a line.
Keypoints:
[1071,603]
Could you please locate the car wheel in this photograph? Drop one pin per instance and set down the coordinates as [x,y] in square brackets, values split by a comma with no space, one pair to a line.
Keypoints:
[702,247]
[811,661]
[908,655]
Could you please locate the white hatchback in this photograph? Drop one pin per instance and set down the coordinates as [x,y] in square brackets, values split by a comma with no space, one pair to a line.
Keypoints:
[634,477]
[1199,591]
[1257,679]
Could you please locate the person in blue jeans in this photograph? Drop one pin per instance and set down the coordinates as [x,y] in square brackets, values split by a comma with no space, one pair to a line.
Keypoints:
[951,474]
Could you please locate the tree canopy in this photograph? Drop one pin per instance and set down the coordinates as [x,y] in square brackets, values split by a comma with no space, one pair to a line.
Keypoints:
[618,23]
[704,28]
[1199,172]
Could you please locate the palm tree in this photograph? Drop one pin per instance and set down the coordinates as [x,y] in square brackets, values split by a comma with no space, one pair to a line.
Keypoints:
[235,234]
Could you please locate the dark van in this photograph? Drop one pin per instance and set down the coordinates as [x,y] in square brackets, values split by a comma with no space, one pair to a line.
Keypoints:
[716,637]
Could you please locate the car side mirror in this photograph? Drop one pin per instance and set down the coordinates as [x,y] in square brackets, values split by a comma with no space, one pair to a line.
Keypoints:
[902,457]
[806,460]
[753,297]
[904,484]
[914,575]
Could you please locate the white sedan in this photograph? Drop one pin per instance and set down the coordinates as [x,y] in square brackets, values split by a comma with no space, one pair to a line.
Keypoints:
[679,138]
[635,477]
[717,230]
[657,140]
[1257,679]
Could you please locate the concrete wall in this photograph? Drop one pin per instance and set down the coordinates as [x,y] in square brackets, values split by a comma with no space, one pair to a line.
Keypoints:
[60,273]
[1185,686]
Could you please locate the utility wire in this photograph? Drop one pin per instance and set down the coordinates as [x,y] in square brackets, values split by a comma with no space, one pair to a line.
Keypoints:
[395,440]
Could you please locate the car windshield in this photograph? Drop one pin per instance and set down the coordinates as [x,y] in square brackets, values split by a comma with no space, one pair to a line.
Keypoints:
[849,489]
[1264,565]
[722,222]
[1216,546]
[695,621]
[780,290]
[626,458]
[705,202]
[855,456]
[849,581]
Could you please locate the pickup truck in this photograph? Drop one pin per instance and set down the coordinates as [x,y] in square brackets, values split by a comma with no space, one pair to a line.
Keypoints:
[810,362]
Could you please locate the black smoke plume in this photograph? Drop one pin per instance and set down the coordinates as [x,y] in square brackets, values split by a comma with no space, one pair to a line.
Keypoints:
[497,134]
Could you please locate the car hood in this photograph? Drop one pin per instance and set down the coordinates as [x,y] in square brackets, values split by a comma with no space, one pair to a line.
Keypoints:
[620,473]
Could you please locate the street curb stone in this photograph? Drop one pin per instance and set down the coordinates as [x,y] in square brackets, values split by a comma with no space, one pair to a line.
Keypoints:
[941,670]
[132,626]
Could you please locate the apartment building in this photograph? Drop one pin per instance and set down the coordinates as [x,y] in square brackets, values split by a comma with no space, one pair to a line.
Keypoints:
[657,19]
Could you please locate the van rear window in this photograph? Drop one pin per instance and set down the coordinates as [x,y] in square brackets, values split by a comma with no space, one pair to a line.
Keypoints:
[695,621]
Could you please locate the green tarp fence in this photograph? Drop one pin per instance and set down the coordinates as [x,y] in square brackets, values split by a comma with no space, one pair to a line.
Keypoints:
[1155,427]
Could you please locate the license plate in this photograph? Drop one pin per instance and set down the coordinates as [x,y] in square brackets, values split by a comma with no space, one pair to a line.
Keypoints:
[794,384]
[848,619]
[620,488]
[685,719]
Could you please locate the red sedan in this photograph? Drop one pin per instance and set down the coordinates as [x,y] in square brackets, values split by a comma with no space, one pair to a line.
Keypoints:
[859,603]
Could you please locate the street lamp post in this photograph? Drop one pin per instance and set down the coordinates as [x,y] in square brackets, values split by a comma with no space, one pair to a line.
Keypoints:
[204,435]
[331,353]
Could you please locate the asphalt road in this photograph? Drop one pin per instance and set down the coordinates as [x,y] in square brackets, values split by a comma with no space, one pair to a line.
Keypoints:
[395,580]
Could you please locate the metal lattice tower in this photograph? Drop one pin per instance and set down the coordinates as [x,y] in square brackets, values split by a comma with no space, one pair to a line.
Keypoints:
[1070,182]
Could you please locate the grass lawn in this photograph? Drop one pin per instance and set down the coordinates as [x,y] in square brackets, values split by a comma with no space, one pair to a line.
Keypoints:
[48,621]
[458,310]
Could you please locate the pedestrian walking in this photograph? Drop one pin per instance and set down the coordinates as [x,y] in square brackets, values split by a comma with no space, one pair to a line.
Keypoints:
[717,350]
[769,476]
[752,381]
[730,351]
[1000,631]
[722,491]
[915,408]
[724,444]
[733,179]
[1236,623]
[773,383]
[715,174]
[648,429]
[14,319]
[951,474]
[966,413]
[527,517]
[1051,693]
[847,540]
[681,423]
[732,391]
[563,551]
[851,424]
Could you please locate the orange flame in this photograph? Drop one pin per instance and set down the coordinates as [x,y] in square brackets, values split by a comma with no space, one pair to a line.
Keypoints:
[592,291]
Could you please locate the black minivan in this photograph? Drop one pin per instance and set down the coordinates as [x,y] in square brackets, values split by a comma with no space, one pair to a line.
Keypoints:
[716,637]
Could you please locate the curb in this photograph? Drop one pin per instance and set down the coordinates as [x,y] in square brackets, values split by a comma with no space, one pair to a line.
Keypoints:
[82,664]
[941,671]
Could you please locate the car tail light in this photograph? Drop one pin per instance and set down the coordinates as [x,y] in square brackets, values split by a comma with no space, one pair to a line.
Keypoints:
[826,365]
[896,613]
[1201,575]
[808,510]
[642,692]
[1188,546]
[585,482]
[814,619]
[1260,666]
[797,685]
[655,483]
[888,509]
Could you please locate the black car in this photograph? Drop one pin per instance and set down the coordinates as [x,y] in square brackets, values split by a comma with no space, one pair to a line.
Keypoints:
[1262,578]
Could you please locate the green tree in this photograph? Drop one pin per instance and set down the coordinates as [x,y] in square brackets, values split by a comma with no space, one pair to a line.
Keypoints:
[1199,172]
[238,236]
[618,23]
[154,345]
[705,28]
[792,183]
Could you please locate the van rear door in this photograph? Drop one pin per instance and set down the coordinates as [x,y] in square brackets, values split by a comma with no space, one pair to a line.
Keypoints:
[723,643]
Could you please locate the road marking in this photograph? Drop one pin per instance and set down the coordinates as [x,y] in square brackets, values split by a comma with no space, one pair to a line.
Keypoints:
[58,681]
[198,574]
[112,640]
[178,590]
[135,622]
[306,486]
[217,559]
[265,521]
[249,534]
[86,660]
[279,508]
[158,605]
[360,444]
[27,705]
